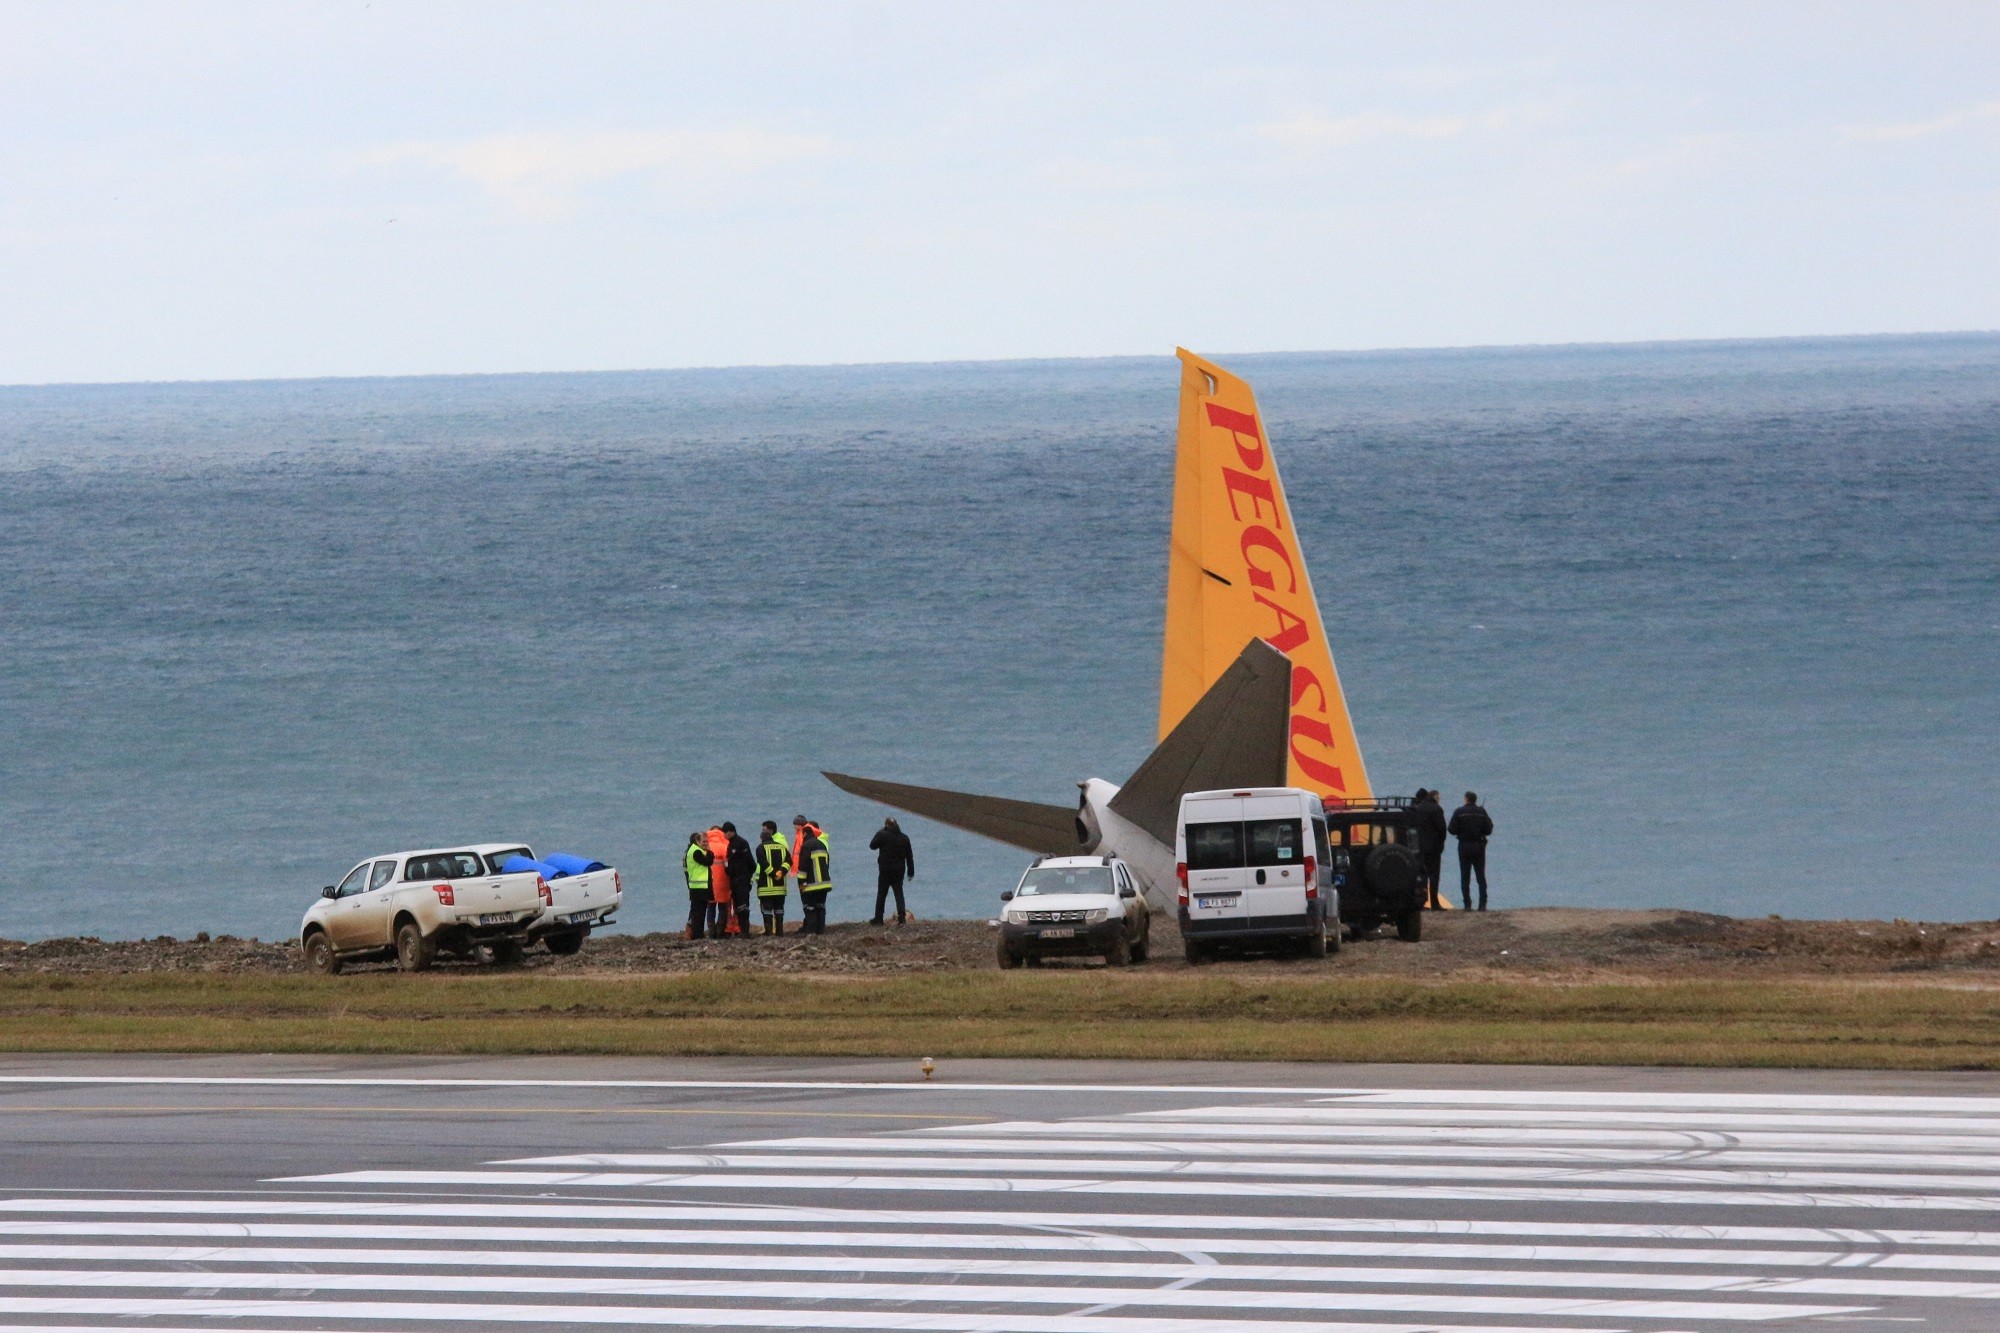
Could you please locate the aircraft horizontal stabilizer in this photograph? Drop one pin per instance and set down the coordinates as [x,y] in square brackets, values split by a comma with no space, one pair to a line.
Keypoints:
[1237,735]
[1047,830]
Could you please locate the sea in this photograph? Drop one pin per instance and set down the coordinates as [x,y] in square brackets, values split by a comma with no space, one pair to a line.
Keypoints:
[1706,625]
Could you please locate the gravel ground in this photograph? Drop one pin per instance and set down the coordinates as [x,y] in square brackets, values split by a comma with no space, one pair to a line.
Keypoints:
[1569,944]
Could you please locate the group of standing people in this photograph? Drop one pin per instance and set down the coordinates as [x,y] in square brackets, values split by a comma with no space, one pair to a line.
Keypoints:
[1471,825]
[724,871]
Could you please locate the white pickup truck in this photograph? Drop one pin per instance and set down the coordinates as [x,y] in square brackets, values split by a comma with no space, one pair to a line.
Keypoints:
[581,899]
[411,906]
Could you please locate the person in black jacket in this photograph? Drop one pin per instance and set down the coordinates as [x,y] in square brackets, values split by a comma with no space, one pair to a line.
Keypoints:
[741,865]
[1472,826]
[1430,844]
[894,858]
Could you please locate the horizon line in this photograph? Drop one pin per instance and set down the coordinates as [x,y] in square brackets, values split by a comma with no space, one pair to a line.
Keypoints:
[713,368]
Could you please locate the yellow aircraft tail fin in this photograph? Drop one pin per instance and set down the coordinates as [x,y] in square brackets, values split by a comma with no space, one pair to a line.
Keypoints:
[1235,573]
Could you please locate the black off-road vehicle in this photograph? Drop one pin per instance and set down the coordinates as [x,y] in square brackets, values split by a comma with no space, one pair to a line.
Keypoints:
[1373,846]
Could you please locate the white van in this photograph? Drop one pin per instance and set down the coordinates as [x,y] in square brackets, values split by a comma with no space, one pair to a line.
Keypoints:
[1254,872]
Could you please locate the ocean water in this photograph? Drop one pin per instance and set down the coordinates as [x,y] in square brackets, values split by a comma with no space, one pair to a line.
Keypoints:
[1708,625]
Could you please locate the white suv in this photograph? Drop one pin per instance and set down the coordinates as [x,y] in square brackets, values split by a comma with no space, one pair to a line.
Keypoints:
[1068,905]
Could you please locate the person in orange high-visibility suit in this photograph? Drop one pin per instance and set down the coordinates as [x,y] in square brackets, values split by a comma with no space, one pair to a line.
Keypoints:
[725,898]
[800,827]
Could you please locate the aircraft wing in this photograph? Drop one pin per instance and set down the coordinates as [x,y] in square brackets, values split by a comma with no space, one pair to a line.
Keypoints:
[1049,830]
[1236,735]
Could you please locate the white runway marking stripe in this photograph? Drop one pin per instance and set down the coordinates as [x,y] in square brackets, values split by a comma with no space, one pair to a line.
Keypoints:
[1721,1176]
[1719,1154]
[1180,1187]
[1285,1138]
[1431,1115]
[941,1293]
[333,1205]
[1185,1272]
[898,1321]
[674,1244]
[1542,1101]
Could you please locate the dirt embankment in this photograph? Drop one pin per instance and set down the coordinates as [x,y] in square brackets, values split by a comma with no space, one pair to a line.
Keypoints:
[1554,943]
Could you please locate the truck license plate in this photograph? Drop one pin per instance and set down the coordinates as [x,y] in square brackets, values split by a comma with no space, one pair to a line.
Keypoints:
[495,918]
[1230,901]
[1059,933]
[571,918]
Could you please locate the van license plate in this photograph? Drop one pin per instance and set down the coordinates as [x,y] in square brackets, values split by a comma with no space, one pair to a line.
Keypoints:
[1060,933]
[495,918]
[1230,901]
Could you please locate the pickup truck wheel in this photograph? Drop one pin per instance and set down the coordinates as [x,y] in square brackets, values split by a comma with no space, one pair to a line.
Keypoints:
[1410,928]
[1120,953]
[567,942]
[1008,958]
[320,956]
[413,952]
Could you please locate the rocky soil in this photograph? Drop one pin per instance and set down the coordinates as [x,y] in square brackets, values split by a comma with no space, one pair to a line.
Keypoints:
[1570,944]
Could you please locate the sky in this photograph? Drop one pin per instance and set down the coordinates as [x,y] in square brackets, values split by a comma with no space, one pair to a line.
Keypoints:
[222,191]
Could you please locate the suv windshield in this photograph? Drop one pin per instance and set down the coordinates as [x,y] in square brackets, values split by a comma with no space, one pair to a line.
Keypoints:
[494,860]
[1065,879]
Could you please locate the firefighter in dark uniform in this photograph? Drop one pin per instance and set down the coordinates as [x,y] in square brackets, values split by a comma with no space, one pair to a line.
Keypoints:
[774,866]
[701,899]
[815,880]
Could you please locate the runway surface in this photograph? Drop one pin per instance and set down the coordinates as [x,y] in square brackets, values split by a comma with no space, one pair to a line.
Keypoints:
[274,1194]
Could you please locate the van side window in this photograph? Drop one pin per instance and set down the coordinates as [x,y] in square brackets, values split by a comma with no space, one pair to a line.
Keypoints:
[1272,842]
[1215,846]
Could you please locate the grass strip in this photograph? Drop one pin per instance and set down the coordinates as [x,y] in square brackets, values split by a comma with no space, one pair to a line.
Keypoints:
[1093,1014]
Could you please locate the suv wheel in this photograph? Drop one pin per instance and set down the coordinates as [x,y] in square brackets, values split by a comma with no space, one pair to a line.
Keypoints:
[1410,928]
[1008,958]
[320,956]
[413,951]
[1120,952]
[1143,946]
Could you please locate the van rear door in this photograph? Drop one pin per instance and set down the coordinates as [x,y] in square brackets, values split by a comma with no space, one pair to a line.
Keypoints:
[1216,875]
[1275,848]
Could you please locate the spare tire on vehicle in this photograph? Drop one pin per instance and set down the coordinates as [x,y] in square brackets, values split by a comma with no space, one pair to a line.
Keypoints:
[1393,876]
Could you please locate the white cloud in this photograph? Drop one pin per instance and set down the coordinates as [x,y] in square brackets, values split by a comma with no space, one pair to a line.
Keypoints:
[540,175]
[1315,130]
[1924,129]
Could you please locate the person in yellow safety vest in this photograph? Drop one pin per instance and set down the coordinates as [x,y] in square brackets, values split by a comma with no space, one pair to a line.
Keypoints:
[774,865]
[725,901]
[700,898]
[815,880]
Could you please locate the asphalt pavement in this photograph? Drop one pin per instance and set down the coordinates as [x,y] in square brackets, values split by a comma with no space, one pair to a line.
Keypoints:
[269,1193]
